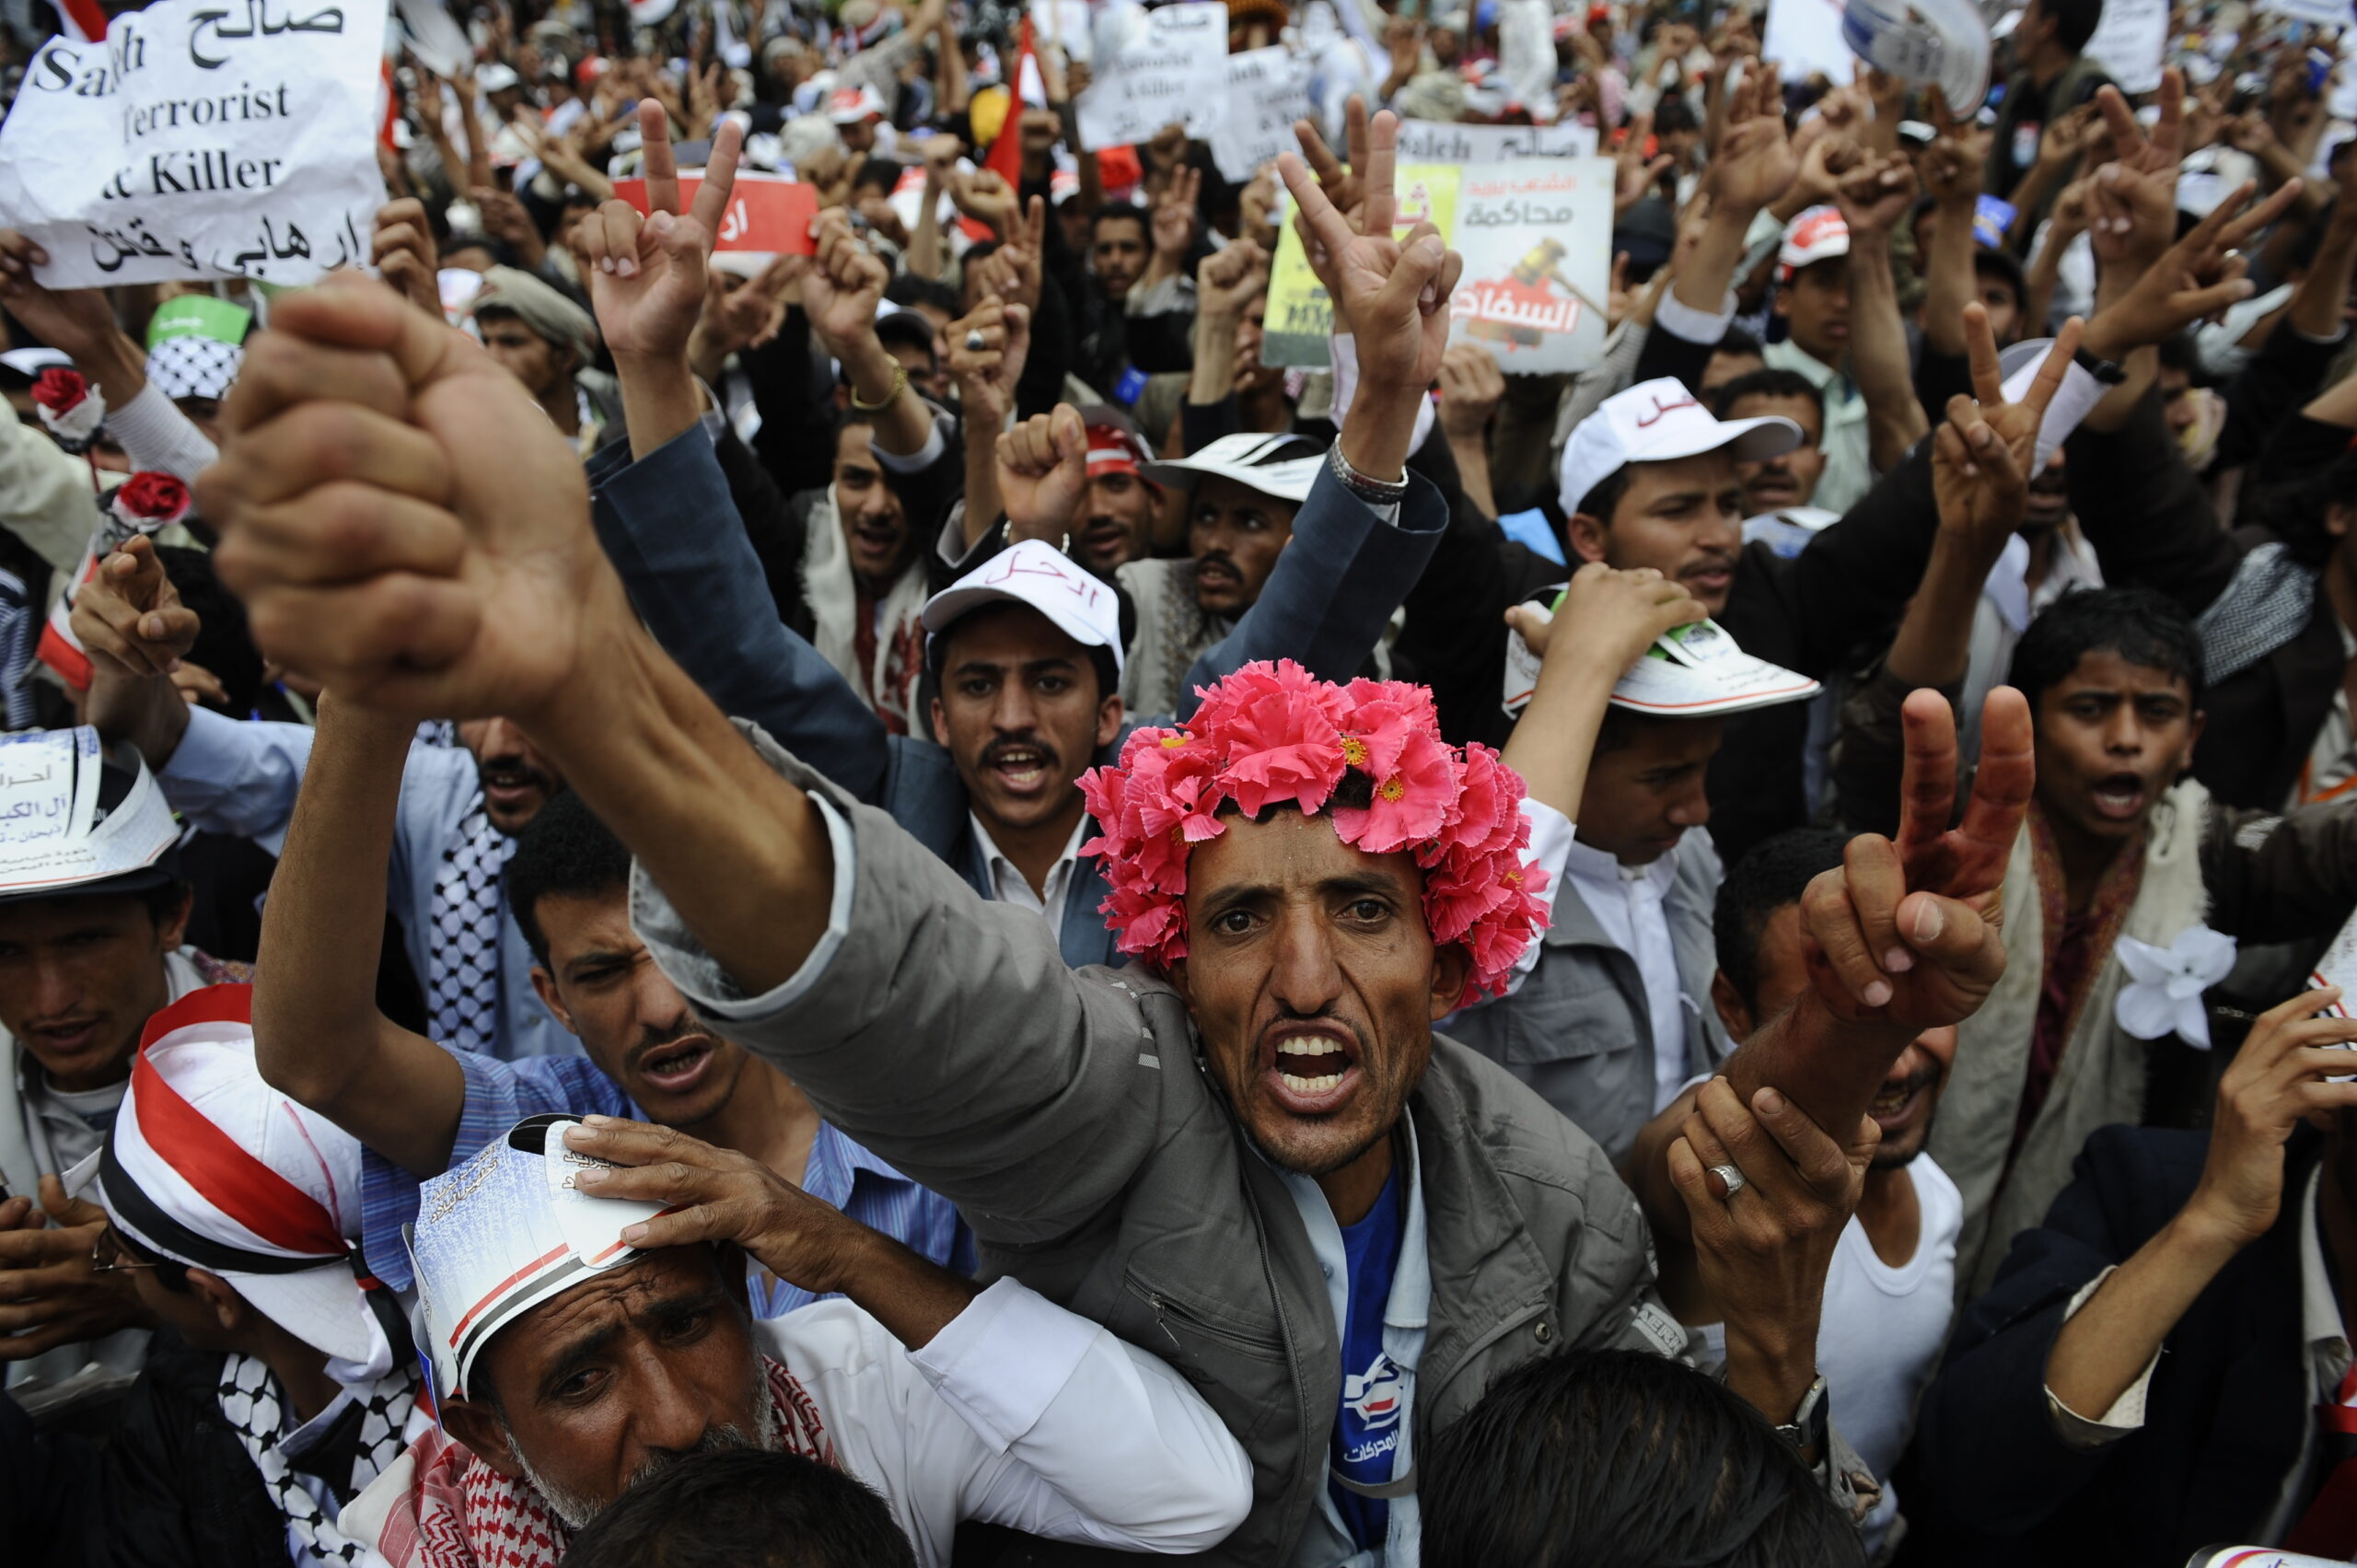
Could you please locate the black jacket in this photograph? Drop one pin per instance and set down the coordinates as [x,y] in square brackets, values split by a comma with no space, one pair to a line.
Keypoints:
[171,1488]
[1992,1483]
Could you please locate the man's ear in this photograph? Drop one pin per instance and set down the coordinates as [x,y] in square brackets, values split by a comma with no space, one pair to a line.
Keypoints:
[1782,304]
[1732,1012]
[1452,967]
[483,1433]
[220,1299]
[544,987]
[1586,535]
[172,930]
[1109,715]
[2336,520]
[2192,738]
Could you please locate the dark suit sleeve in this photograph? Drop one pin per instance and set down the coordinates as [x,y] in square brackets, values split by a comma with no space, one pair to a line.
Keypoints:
[2277,880]
[796,440]
[1854,579]
[672,532]
[1335,584]
[1986,1441]
[1454,635]
[2144,512]
[772,528]
[1667,354]
[2283,374]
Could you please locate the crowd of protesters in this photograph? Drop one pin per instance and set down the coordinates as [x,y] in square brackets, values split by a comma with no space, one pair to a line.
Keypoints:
[665,905]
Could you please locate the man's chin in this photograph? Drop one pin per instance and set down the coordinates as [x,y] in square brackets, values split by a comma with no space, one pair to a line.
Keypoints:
[1312,1147]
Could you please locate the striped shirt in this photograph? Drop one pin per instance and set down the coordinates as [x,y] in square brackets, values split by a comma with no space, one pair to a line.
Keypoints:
[499,1094]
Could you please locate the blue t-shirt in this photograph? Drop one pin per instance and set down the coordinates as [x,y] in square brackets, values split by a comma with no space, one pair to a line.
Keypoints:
[1368,1431]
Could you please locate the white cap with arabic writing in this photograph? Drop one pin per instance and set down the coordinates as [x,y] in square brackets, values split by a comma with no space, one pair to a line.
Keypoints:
[1658,422]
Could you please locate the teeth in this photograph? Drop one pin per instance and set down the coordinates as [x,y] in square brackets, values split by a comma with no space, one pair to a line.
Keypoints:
[1299,1047]
[1319,1085]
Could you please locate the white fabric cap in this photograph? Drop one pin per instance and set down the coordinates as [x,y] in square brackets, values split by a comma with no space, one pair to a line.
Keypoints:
[194,368]
[495,78]
[1036,574]
[1658,422]
[209,1165]
[502,1233]
[849,106]
[1280,466]
[1820,234]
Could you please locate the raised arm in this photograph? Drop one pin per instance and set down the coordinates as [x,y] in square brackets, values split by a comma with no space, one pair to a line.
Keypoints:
[1873,197]
[318,1035]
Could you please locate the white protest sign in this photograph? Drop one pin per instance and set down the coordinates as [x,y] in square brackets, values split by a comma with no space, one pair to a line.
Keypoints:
[1806,36]
[2319,13]
[1268,89]
[434,36]
[1063,23]
[1173,70]
[1438,141]
[2130,41]
[37,785]
[1537,239]
[203,138]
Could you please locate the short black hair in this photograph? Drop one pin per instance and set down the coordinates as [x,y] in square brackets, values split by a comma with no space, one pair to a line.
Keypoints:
[2138,625]
[1740,343]
[224,643]
[1616,1458]
[2074,21]
[1767,382]
[564,851]
[744,1508]
[911,289]
[2295,509]
[907,328]
[1120,210]
[880,172]
[1603,497]
[1674,114]
[1774,873]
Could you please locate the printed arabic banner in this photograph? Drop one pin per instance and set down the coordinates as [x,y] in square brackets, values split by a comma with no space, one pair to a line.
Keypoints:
[202,138]
[1300,319]
[1537,239]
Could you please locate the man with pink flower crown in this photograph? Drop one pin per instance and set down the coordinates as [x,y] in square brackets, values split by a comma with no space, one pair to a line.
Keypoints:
[1247,1151]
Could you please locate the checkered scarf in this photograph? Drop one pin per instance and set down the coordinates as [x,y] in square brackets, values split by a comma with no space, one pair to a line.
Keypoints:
[362,1441]
[194,367]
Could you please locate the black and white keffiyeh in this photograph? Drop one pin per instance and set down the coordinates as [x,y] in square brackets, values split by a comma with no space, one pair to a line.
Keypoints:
[363,1440]
[2263,607]
[462,957]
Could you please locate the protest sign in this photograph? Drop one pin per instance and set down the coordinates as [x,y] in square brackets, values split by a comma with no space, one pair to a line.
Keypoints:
[1300,318]
[434,36]
[2316,13]
[1432,140]
[202,138]
[1806,35]
[2130,41]
[1170,69]
[767,213]
[1063,23]
[1536,241]
[1268,89]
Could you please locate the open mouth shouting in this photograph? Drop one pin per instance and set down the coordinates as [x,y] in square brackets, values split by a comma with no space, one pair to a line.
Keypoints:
[1023,766]
[675,1066]
[1216,576]
[2119,797]
[1310,1065]
[1897,1102]
[509,784]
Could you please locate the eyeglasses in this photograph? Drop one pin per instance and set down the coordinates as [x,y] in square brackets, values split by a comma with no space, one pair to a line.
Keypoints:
[110,1254]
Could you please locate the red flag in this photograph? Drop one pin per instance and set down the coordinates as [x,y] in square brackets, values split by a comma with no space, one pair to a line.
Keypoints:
[1005,156]
[85,21]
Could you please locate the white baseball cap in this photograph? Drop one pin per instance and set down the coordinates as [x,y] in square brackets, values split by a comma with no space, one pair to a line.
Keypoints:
[1818,234]
[849,106]
[1280,466]
[1942,42]
[1696,671]
[496,78]
[1658,422]
[502,1233]
[1035,573]
[208,1164]
[75,817]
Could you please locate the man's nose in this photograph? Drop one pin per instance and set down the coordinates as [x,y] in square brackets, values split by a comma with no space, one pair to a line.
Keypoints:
[1305,980]
[667,1415]
[1691,807]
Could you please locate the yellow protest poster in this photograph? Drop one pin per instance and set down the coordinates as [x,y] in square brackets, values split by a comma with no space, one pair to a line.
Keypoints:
[1301,318]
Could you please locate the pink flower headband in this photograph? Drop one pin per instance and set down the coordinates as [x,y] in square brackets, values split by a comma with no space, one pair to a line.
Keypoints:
[1274,732]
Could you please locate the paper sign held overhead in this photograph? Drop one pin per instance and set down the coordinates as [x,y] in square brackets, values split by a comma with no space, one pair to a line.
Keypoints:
[1433,141]
[1268,89]
[202,138]
[1537,239]
[2130,41]
[1171,69]
[1805,36]
[767,214]
[1300,319]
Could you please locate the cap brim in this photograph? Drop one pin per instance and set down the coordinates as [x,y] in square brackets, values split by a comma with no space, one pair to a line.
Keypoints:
[1669,689]
[1288,481]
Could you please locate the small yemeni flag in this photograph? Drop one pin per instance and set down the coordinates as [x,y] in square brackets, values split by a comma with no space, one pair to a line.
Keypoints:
[85,21]
[143,504]
[1030,91]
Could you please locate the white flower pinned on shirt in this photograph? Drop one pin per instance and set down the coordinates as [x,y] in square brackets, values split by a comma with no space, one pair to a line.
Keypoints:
[2165,996]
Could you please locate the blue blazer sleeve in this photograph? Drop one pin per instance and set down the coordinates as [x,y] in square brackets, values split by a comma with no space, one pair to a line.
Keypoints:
[672,532]
[1334,586]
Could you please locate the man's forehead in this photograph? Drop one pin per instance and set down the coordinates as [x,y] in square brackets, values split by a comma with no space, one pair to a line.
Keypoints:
[1006,635]
[2106,670]
[1803,412]
[607,1300]
[1290,852]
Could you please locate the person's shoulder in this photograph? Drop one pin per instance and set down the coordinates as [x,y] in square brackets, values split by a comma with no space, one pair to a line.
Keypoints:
[1516,1131]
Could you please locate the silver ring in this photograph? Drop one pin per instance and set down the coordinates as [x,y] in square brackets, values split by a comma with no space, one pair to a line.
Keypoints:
[1732,1177]
[975,342]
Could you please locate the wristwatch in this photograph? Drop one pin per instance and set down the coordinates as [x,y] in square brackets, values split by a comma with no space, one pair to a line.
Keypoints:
[2104,370]
[1812,1422]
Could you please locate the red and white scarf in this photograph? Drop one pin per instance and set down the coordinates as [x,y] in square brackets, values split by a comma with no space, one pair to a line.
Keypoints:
[460,1513]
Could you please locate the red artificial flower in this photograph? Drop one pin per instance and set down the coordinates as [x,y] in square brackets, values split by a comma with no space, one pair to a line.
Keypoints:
[59,390]
[150,500]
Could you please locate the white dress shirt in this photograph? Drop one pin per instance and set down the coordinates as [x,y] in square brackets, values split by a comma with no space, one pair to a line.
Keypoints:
[1627,902]
[1009,886]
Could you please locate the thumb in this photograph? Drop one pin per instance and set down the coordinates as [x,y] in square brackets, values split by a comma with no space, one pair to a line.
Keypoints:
[1420,264]
[67,1211]
[680,241]
[1017,319]
[1069,435]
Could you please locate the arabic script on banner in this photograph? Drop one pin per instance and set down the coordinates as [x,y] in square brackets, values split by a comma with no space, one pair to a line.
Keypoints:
[1300,318]
[202,138]
[1536,239]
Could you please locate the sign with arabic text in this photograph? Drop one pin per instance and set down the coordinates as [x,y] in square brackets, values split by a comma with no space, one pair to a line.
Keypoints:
[1537,239]
[1300,318]
[200,139]
[768,214]
[1439,141]
[1171,69]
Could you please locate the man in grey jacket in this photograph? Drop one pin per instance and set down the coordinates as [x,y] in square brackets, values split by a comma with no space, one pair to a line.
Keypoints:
[1131,1146]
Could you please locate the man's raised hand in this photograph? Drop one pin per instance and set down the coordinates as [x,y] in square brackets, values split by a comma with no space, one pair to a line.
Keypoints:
[1985,453]
[840,291]
[1392,296]
[401,518]
[1906,933]
[1042,469]
[647,275]
[129,616]
[2200,275]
